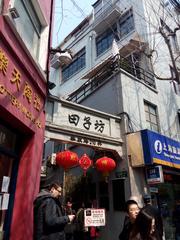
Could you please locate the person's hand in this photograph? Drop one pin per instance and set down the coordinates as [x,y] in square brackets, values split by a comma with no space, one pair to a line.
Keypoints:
[71,217]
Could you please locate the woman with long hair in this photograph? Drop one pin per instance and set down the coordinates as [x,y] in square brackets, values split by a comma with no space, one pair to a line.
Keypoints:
[144,227]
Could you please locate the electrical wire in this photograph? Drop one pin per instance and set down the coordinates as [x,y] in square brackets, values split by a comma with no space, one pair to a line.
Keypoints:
[78,8]
[62,13]
[62,18]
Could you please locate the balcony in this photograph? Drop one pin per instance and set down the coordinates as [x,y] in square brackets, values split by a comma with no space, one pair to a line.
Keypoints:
[103,72]
[106,15]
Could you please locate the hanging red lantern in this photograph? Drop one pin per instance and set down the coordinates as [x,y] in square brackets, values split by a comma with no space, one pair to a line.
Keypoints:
[85,162]
[66,159]
[105,165]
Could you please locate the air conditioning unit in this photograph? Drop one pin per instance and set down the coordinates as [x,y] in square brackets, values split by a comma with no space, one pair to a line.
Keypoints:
[61,59]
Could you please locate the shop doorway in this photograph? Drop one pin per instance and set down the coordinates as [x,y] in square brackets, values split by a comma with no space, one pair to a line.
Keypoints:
[167,199]
[6,163]
[8,173]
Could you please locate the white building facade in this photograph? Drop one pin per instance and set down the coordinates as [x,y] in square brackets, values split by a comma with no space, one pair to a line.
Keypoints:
[140,84]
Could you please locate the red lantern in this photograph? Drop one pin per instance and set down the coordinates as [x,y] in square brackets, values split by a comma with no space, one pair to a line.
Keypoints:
[85,162]
[66,159]
[105,165]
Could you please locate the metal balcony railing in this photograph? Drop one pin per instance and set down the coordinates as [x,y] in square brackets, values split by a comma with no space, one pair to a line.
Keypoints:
[106,73]
[107,13]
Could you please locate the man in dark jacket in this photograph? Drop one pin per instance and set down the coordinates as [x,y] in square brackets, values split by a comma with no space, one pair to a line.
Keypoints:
[49,221]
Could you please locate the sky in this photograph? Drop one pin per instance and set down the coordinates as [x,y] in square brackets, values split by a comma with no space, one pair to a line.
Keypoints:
[68,14]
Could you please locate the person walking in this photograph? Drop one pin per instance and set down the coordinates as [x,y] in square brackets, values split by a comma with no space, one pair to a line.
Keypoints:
[49,220]
[144,227]
[154,211]
[82,232]
[132,210]
[176,219]
[70,227]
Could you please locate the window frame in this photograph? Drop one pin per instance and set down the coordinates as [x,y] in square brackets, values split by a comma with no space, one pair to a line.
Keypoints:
[78,63]
[114,32]
[106,38]
[151,114]
[31,11]
[124,21]
[28,17]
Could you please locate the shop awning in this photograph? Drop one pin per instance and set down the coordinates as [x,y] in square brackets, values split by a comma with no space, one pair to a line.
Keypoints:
[147,147]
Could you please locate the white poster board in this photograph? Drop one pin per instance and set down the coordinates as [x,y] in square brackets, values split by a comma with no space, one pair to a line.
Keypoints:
[5,184]
[5,201]
[94,217]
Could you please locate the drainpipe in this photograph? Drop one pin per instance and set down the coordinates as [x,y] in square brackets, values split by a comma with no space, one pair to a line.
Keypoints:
[49,46]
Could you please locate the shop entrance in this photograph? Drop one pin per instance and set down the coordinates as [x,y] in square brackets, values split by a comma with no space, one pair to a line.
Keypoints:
[167,199]
[8,172]
[6,164]
[97,134]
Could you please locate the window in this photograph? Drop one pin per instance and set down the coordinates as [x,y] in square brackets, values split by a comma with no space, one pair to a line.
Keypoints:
[176,4]
[118,194]
[103,195]
[28,25]
[49,111]
[104,41]
[101,6]
[124,26]
[171,4]
[78,63]
[178,117]
[151,116]
[126,23]
[98,8]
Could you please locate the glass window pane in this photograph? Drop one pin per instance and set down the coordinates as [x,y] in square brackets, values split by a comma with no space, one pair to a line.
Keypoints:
[152,110]
[78,63]
[153,119]
[154,127]
[146,107]
[148,125]
[104,41]
[49,111]
[147,116]
[28,20]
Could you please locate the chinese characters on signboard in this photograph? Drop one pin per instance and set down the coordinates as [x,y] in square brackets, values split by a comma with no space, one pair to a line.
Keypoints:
[28,94]
[94,217]
[85,140]
[154,175]
[87,122]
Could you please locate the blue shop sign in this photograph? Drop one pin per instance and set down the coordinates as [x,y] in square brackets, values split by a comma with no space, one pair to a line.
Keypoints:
[160,149]
[154,175]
